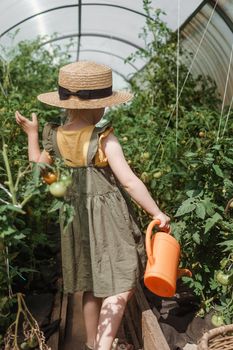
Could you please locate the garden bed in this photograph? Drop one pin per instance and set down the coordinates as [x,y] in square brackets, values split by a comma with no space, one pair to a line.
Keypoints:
[154,323]
[141,324]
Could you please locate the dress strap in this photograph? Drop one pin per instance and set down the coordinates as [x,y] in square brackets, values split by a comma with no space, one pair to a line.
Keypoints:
[93,146]
[49,139]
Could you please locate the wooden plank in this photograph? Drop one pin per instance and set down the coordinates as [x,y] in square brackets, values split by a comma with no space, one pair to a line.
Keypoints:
[53,341]
[151,334]
[63,316]
[75,330]
[141,299]
[132,330]
[136,316]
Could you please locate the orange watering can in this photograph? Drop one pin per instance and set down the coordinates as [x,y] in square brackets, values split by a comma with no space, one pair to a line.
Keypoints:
[163,252]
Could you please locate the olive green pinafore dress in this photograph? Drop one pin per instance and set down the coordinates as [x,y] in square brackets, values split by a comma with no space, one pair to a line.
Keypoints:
[103,248]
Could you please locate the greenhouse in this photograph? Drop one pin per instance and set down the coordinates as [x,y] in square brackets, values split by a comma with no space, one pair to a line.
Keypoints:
[116,185]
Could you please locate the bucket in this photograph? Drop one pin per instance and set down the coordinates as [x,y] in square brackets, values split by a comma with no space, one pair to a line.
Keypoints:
[163,252]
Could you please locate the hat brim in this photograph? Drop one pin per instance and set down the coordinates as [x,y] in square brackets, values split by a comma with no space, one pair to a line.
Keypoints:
[117,97]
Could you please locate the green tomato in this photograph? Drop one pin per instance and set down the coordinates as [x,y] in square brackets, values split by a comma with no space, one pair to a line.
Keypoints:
[24,346]
[146,155]
[58,189]
[145,177]
[66,179]
[201,134]
[157,174]
[223,278]
[32,342]
[223,263]
[217,320]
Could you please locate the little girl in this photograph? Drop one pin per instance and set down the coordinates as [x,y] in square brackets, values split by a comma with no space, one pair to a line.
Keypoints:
[102,251]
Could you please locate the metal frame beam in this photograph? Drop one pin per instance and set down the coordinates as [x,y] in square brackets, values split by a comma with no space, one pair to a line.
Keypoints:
[109,54]
[79,26]
[105,52]
[198,9]
[69,6]
[218,10]
[113,37]
[222,14]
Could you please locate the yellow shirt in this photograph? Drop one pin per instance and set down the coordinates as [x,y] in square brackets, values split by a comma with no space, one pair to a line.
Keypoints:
[73,146]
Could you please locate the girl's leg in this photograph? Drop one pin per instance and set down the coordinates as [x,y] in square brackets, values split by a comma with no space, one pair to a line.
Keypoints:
[111,314]
[91,311]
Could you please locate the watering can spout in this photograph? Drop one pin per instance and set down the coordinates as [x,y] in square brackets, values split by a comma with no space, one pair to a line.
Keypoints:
[184,272]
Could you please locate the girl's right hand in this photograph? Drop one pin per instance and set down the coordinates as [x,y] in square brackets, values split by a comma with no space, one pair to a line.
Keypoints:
[164,220]
[28,126]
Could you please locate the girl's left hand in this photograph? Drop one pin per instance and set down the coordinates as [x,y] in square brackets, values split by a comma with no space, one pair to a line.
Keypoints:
[28,126]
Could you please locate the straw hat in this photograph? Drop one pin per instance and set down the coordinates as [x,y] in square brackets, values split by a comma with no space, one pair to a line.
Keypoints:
[85,84]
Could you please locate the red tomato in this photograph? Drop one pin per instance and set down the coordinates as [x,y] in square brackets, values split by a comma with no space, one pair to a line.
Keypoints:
[49,178]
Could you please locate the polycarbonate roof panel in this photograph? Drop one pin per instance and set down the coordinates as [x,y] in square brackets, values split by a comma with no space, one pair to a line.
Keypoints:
[227,7]
[177,11]
[108,29]
[209,37]
[116,22]
[15,11]
[48,23]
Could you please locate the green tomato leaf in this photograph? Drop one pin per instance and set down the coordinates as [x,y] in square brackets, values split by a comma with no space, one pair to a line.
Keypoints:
[209,206]
[178,229]
[217,170]
[56,205]
[67,215]
[186,207]
[194,193]
[8,232]
[228,243]
[228,160]
[200,210]
[19,236]
[11,207]
[212,221]
[196,238]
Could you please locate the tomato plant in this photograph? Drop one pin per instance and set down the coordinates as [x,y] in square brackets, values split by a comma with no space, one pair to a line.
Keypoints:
[23,71]
[189,168]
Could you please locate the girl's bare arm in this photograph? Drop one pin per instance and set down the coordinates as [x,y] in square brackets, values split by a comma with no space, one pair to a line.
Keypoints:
[30,127]
[133,185]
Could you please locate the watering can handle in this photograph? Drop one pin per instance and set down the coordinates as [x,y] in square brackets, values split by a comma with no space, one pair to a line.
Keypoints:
[149,231]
